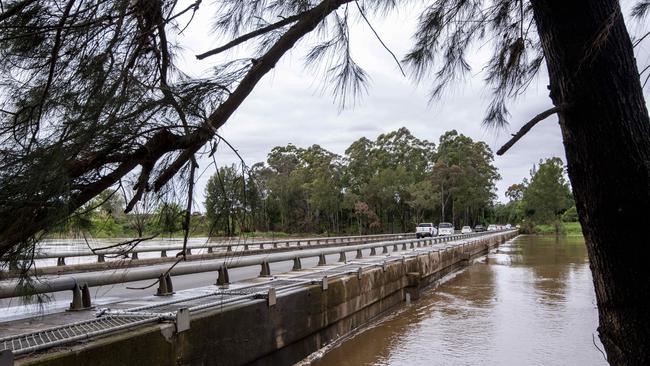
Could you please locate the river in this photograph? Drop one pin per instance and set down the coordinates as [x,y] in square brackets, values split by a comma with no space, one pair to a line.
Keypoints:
[531,302]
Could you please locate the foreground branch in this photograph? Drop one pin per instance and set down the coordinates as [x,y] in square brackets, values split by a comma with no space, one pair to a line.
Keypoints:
[162,143]
[538,118]
[253,34]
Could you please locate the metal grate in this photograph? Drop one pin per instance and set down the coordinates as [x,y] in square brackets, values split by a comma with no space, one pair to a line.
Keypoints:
[30,342]
[348,268]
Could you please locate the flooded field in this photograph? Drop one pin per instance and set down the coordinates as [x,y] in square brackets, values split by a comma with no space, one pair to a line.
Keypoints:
[530,303]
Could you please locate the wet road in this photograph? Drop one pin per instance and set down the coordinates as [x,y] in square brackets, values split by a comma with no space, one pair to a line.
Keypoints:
[530,303]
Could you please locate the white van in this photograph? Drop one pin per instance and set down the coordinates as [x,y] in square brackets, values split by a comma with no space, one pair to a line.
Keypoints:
[445,228]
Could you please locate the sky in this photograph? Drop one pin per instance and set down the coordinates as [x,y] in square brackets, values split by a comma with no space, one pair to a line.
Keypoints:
[290,106]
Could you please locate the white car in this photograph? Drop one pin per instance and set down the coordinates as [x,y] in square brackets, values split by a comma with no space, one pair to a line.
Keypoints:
[493,227]
[445,228]
[425,229]
[466,230]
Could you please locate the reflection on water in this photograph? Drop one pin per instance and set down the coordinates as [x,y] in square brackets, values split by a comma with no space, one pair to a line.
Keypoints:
[530,303]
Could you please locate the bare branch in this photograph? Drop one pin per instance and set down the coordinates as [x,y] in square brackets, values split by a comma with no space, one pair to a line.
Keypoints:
[540,117]
[253,34]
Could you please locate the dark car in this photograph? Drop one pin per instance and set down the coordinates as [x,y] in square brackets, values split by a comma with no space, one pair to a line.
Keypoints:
[479,228]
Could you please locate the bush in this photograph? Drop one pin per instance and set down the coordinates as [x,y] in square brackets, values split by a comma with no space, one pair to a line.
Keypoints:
[570,215]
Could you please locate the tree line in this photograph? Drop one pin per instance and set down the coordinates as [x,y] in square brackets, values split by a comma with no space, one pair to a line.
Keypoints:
[384,185]
[545,198]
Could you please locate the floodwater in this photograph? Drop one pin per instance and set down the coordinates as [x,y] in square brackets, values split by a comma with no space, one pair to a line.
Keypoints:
[530,303]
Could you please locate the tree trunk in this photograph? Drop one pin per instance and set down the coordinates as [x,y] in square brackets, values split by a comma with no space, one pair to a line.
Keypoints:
[606,133]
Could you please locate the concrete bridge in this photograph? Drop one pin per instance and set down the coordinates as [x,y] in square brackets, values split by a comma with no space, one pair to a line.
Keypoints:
[272,319]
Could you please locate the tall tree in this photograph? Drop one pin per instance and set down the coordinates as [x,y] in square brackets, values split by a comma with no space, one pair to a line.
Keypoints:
[225,200]
[548,195]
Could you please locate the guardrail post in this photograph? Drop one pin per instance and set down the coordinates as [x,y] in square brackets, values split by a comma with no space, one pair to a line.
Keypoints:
[245,246]
[134,255]
[412,245]
[419,244]
[385,250]
[275,244]
[289,244]
[85,296]
[223,277]
[261,245]
[321,260]
[266,269]
[188,251]
[359,254]
[60,261]
[403,246]
[165,286]
[297,266]
[373,251]
[80,298]
[209,250]
[394,247]
[342,257]
[163,254]
[100,258]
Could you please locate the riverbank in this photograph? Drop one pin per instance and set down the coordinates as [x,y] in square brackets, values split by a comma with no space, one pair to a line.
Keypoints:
[566,228]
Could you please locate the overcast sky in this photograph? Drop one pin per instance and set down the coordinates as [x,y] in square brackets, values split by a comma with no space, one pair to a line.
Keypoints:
[289,106]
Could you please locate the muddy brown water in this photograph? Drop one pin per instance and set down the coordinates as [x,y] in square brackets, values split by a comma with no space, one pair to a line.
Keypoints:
[531,302]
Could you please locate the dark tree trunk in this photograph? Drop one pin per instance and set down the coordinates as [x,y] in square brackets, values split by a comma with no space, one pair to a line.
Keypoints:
[606,134]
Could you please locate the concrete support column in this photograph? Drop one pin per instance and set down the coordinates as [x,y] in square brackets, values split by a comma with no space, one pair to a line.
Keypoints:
[297,266]
[266,270]
[223,276]
[165,286]
[342,257]
[80,298]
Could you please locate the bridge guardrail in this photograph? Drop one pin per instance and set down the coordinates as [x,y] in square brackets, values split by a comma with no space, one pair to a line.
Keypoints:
[80,283]
[61,255]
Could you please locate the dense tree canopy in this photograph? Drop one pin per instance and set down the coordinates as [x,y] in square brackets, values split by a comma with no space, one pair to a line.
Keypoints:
[388,184]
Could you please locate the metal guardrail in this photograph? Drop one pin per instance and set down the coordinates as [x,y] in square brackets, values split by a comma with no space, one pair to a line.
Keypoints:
[287,243]
[109,321]
[82,281]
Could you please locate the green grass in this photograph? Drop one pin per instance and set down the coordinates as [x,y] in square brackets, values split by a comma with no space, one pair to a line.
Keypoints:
[566,228]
